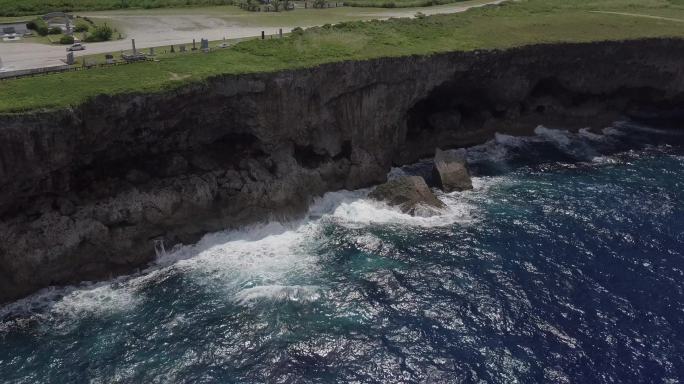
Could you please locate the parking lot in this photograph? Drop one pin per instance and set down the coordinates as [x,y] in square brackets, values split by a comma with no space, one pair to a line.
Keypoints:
[164,27]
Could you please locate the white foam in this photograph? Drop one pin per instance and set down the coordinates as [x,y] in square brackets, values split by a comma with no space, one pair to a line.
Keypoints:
[511,141]
[632,126]
[612,131]
[329,202]
[362,212]
[489,151]
[588,134]
[270,254]
[279,293]
[99,300]
[483,183]
[498,149]
[605,160]
[368,242]
[71,302]
[395,173]
[557,136]
[274,259]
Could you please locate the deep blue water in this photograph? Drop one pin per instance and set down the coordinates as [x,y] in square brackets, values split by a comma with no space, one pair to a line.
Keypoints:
[564,265]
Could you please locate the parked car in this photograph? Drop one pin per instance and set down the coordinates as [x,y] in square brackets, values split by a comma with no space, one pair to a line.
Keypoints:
[76,47]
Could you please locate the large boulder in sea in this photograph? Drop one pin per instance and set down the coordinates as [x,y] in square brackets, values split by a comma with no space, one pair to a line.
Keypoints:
[410,193]
[450,172]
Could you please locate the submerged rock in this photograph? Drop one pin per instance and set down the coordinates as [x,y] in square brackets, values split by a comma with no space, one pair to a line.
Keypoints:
[450,171]
[411,194]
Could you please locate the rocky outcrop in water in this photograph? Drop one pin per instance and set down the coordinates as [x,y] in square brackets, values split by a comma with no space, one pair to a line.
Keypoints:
[91,191]
[450,171]
[410,194]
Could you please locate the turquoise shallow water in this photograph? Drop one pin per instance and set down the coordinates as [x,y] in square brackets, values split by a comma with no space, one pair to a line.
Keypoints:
[564,265]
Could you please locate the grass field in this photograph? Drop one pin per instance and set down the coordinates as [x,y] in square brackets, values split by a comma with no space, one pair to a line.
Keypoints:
[14,8]
[396,3]
[236,15]
[35,7]
[512,24]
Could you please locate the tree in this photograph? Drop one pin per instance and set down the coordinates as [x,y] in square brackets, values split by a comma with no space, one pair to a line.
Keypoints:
[101,33]
[319,3]
[81,26]
[248,5]
[66,39]
[39,26]
[276,5]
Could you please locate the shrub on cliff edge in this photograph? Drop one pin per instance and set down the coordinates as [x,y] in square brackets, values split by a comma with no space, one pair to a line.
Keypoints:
[66,39]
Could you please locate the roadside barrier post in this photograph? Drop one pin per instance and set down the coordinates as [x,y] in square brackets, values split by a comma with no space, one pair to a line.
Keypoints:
[263,35]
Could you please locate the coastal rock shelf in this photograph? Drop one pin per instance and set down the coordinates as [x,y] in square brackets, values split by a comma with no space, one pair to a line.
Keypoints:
[411,194]
[91,192]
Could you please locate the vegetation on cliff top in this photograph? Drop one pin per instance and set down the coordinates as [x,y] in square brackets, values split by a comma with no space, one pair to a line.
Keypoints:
[509,25]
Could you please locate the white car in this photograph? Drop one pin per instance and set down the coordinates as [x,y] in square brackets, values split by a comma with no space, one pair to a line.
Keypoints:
[76,47]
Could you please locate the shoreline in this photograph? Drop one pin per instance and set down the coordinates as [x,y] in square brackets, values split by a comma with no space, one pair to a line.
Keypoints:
[336,206]
[89,191]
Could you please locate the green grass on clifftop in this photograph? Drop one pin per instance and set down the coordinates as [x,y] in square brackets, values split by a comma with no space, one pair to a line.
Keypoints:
[513,24]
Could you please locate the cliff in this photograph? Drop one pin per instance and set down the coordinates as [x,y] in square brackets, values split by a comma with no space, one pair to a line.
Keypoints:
[89,192]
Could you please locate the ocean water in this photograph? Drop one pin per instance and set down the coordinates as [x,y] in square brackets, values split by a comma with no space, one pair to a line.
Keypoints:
[565,264]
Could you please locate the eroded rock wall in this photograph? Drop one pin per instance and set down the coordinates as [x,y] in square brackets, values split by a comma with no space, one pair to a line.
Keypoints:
[87,192]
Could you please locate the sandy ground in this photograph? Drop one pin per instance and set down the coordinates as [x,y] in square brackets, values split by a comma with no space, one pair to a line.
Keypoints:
[154,28]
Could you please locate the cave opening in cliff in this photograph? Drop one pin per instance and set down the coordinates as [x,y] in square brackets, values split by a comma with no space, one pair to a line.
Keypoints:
[452,106]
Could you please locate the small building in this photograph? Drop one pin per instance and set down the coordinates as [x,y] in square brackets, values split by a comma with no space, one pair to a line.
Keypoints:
[13,29]
[57,17]
[61,20]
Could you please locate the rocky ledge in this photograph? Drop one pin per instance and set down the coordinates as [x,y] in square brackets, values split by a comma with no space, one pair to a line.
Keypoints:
[450,171]
[411,194]
[91,192]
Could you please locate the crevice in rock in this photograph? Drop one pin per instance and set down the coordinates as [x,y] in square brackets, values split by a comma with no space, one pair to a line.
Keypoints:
[345,152]
[307,157]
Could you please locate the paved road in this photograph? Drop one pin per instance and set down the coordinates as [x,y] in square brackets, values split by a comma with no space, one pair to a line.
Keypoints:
[165,27]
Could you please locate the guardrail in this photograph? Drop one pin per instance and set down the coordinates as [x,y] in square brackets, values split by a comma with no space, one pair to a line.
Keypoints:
[58,69]
[8,75]
[32,72]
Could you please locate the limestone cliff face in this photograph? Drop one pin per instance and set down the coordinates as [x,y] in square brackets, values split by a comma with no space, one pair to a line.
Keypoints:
[86,193]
